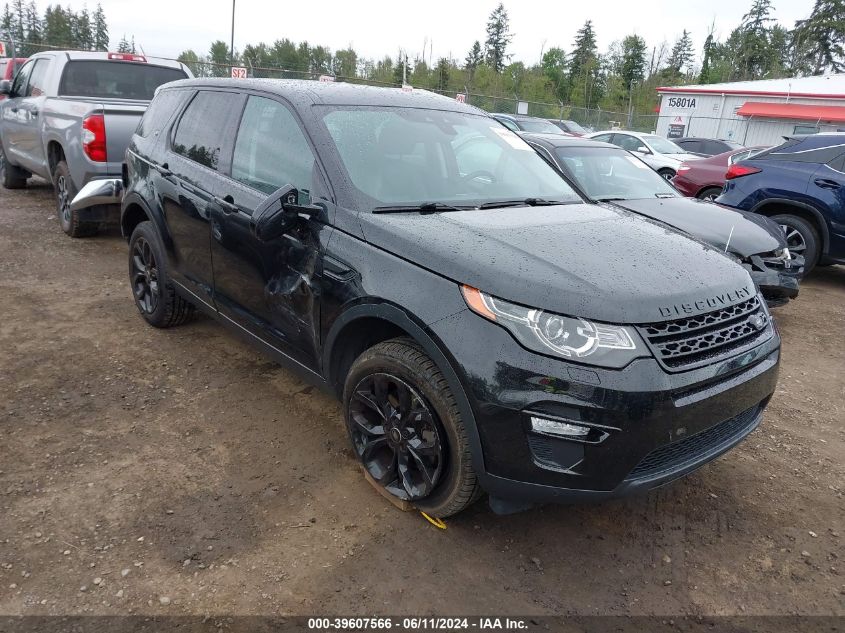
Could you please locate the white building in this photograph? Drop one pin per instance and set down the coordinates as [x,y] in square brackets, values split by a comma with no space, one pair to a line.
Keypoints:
[754,112]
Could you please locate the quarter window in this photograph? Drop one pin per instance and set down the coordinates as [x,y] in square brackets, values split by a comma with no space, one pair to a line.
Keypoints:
[271,150]
[160,111]
[203,127]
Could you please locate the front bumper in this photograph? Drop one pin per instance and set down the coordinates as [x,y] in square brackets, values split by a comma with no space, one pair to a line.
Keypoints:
[653,426]
[778,283]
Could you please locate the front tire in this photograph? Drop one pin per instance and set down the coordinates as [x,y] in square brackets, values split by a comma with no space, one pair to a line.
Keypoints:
[406,429]
[154,294]
[802,239]
[12,177]
[65,192]
[666,173]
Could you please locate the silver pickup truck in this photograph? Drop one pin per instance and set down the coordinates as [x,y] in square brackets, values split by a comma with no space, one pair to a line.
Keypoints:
[68,117]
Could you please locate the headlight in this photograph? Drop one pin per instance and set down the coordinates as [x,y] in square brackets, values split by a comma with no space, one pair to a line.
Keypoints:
[548,333]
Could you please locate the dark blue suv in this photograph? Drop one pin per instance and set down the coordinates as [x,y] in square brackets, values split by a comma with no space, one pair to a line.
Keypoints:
[801,185]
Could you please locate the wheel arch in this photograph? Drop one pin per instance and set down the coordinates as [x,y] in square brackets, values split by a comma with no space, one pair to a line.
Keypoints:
[55,154]
[360,327]
[135,210]
[779,206]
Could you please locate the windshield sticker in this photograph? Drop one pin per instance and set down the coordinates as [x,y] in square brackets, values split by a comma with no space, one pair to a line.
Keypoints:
[512,139]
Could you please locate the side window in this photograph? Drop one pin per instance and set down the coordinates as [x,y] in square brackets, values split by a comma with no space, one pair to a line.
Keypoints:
[22,79]
[271,150]
[160,111]
[604,138]
[35,87]
[203,126]
[631,143]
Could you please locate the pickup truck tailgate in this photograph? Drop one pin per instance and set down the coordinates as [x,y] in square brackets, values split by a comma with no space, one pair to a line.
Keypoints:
[121,120]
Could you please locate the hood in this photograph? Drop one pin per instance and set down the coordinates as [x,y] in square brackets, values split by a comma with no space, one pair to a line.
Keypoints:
[750,233]
[580,260]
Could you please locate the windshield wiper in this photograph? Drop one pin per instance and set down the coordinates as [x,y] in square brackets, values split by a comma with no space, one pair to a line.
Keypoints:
[610,199]
[525,202]
[424,208]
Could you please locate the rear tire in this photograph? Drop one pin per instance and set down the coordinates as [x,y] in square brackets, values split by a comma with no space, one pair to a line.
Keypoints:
[11,176]
[667,173]
[802,239]
[710,194]
[65,193]
[398,406]
[154,294]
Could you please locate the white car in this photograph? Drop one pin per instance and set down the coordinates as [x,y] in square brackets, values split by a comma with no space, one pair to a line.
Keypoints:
[661,154]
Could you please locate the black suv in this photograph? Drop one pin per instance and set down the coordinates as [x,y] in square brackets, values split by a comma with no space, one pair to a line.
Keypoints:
[484,327]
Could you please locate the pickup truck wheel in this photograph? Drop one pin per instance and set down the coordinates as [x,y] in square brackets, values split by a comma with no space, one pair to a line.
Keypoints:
[154,294]
[65,193]
[406,429]
[801,238]
[12,177]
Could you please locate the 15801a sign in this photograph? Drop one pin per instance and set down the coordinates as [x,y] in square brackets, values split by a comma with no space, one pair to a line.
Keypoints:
[681,102]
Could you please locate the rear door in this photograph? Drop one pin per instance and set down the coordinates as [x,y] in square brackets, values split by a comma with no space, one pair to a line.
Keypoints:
[270,289]
[827,185]
[198,150]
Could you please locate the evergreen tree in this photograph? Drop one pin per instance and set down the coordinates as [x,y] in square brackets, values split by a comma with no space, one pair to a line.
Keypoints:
[755,36]
[441,73]
[498,38]
[219,56]
[818,40]
[585,68]
[100,30]
[123,46]
[34,30]
[633,60]
[585,51]
[83,31]
[473,60]
[681,56]
[345,63]
[193,62]
[707,55]
[402,70]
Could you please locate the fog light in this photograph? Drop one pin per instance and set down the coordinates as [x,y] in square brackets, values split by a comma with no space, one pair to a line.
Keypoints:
[560,429]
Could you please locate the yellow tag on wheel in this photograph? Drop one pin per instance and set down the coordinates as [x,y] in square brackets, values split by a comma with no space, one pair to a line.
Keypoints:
[438,523]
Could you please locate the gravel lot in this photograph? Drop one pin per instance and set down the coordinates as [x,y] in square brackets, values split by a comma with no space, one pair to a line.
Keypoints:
[180,472]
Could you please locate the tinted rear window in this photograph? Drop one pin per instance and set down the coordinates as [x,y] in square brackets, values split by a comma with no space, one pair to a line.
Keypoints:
[115,80]
[161,109]
[795,150]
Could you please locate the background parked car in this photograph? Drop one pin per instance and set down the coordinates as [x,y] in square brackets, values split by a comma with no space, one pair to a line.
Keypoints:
[522,123]
[606,173]
[69,118]
[705,178]
[570,127]
[661,154]
[8,68]
[706,146]
[801,185]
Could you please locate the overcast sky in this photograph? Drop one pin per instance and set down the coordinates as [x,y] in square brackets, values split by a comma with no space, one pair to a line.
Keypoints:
[378,27]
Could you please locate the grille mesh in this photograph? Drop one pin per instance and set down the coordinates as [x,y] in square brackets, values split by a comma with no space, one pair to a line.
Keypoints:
[685,450]
[694,341]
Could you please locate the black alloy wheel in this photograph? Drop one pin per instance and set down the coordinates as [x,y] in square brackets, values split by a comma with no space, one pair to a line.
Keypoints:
[397,436]
[145,285]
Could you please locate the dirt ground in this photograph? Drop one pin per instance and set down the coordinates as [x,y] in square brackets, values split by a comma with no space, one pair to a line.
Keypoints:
[180,472]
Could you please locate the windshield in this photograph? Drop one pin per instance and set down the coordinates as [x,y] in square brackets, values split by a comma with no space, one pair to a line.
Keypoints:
[539,126]
[115,80]
[663,146]
[410,156]
[575,127]
[605,173]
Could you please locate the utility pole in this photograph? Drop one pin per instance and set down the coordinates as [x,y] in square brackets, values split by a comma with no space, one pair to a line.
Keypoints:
[232,42]
[630,102]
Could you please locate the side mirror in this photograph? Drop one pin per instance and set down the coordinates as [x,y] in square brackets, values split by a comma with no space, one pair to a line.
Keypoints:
[279,213]
[642,149]
[5,87]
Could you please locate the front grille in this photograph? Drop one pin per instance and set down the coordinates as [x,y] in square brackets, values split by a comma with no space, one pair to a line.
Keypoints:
[676,454]
[695,341]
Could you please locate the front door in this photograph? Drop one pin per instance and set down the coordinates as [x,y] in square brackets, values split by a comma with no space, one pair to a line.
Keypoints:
[198,152]
[20,116]
[270,289]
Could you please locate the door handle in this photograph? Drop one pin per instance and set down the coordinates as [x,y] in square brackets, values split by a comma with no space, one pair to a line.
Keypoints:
[163,170]
[227,204]
[824,183]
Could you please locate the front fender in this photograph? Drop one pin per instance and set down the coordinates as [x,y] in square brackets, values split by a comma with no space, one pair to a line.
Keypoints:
[399,317]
